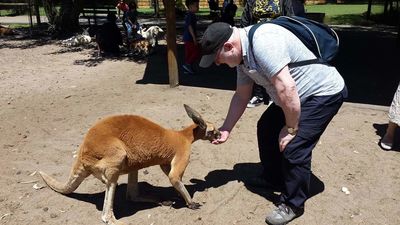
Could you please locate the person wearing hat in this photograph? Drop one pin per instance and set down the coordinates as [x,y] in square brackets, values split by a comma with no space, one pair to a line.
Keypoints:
[305,99]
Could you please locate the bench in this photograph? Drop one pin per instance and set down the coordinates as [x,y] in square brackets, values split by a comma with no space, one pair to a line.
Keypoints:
[21,6]
[96,11]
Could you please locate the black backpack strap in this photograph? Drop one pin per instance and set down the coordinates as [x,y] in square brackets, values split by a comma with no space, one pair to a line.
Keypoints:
[307,62]
[252,31]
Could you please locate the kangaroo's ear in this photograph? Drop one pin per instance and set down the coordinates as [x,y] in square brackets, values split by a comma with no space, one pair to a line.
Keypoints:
[196,117]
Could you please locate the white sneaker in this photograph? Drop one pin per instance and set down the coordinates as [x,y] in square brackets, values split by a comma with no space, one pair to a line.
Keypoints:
[254,102]
[385,143]
[386,146]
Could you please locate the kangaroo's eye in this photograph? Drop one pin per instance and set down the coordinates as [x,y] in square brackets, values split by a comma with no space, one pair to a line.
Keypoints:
[210,133]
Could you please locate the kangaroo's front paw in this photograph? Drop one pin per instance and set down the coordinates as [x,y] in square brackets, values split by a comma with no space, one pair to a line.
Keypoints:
[194,205]
[110,220]
[119,223]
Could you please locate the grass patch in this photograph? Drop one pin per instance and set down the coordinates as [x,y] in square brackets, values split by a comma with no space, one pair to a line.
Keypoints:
[345,13]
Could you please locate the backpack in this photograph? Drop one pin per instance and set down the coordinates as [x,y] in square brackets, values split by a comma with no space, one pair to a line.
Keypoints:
[317,37]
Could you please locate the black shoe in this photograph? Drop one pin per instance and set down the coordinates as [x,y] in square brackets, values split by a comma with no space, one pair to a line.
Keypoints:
[283,214]
[261,182]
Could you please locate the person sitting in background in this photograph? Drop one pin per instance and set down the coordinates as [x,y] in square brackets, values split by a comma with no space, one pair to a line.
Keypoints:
[214,10]
[394,120]
[109,37]
[229,13]
[131,21]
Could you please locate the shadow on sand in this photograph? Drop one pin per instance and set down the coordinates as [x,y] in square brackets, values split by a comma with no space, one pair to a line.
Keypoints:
[380,130]
[213,179]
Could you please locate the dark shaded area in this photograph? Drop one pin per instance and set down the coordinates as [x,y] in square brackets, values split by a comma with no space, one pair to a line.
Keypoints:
[119,202]
[241,173]
[213,179]
[367,61]
[380,130]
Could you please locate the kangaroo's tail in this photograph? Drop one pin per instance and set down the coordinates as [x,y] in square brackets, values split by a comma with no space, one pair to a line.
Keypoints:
[77,175]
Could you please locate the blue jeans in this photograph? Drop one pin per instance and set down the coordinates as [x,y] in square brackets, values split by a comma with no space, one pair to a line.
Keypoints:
[292,167]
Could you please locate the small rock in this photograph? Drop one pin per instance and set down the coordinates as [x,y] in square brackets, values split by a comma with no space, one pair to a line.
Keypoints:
[345,190]
[33,173]
[37,187]
[53,215]
[45,209]
[167,203]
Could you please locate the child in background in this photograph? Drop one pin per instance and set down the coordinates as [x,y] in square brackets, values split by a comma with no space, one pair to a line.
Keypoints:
[229,12]
[131,21]
[122,6]
[192,52]
[109,37]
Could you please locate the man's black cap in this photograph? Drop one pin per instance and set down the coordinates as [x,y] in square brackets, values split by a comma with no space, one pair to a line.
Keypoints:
[213,39]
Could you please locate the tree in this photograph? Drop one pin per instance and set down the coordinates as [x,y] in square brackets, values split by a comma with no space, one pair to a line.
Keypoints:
[64,21]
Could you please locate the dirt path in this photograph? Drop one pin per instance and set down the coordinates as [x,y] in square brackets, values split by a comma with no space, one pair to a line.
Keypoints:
[50,97]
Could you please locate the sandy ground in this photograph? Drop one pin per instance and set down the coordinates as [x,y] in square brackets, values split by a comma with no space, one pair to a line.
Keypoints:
[50,96]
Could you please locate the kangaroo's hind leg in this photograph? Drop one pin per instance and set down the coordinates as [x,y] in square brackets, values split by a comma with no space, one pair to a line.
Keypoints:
[132,190]
[108,213]
[108,170]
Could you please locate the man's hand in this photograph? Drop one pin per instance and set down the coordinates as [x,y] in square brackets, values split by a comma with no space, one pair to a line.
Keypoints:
[223,138]
[284,138]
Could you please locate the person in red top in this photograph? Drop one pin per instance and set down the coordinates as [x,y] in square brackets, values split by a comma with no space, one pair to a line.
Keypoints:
[122,6]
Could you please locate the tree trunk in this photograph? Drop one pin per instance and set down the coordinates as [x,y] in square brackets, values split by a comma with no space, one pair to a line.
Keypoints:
[66,20]
[50,10]
[68,17]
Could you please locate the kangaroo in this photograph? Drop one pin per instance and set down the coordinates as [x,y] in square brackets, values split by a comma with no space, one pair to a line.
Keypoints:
[123,144]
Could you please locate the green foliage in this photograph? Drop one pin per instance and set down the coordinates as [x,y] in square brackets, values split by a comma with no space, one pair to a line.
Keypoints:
[332,10]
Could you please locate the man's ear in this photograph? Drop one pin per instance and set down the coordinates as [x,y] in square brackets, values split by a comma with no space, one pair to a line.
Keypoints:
[228,46]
